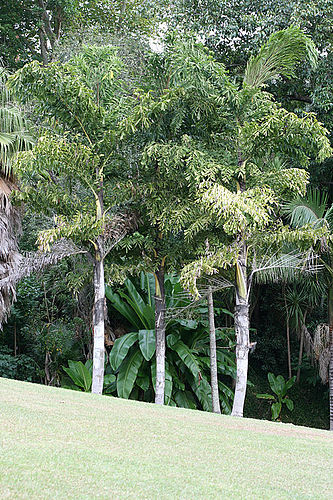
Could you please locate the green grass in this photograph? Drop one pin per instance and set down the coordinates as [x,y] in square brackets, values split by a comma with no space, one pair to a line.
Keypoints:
[64,444]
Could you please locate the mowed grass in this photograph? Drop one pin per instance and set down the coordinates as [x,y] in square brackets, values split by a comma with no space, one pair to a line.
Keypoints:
[57,443]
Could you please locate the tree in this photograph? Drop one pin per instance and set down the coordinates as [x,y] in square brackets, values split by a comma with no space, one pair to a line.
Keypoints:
[13,138]
[32,29]
[71,173]
[240,219]
[228,154]
[235,30]
[312,209]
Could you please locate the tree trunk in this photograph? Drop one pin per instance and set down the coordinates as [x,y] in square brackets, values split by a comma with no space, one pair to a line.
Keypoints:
[330,367]
[287,334]
[242,332]
[212,354]
[160,335]
[98,320]
[300,355]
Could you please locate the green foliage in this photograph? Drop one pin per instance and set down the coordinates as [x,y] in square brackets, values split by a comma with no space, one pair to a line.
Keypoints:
[279,56]
[20,367]
[280,388]
[187,357]
[81,376]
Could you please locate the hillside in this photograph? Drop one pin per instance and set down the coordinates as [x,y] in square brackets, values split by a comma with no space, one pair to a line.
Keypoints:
[64,444]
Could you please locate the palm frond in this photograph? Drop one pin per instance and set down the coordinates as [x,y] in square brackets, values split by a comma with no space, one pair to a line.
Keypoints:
[309,209]
[281,54]
[285,267]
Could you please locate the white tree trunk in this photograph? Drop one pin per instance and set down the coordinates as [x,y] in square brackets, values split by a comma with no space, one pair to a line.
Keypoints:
[212,355]
[160,336]
[98,323]
[242,334]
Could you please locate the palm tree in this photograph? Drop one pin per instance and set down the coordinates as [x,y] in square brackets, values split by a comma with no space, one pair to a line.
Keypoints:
[313,210]
[13,138]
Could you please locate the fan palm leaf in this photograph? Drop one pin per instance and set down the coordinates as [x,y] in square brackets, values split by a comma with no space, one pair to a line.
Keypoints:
[310,209]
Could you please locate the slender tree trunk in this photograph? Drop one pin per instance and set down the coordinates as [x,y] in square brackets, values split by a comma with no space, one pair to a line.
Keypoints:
[98,321]
[288,334]
[212,354]
[46,368]
[15,339]
[242,332]
[288,347]
[160,334]
[43,47]
[300,355]
[330,368]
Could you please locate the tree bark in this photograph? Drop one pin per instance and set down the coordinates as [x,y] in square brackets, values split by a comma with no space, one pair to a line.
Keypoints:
[98,321]
[300,355]
[212,355]
[160,335]
[287,334]
[242,332]
[330,367]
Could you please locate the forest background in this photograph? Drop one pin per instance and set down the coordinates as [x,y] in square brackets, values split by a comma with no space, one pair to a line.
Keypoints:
[50,322]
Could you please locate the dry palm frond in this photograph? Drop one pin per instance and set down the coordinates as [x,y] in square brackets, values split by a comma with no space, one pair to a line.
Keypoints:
[116,227]
[9,255]
[34,262]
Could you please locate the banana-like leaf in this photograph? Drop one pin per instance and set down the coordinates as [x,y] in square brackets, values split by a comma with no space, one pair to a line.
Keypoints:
[80,375]
[140,307]
[289,403]
[147,281]
[128,373]
[121,348]
[203,391]
[186,356]
[265,396]
[122,307]
[143,382]
[184,399]
[147,343]
[276,410]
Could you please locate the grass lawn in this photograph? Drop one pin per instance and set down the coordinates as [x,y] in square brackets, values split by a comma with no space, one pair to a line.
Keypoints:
[63,444]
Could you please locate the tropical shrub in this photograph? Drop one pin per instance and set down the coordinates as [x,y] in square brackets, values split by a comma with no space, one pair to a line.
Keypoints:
[80,376]
[187,355]
[280,388]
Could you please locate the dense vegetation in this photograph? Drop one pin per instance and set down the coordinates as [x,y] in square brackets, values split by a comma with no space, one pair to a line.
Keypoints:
[166,202]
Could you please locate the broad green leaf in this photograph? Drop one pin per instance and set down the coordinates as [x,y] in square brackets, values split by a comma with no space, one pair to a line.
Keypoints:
[184,399]
[203,391]
[276,409]
[186,356]
[289,403]
[121,306]
[265,396]
[147,343]
[172,339]
[120,349]
[128,373]
[79,374]
[290,382]
[143,310]
[143,382]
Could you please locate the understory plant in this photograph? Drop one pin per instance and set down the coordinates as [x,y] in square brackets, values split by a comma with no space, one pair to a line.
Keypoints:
[80,376]
[187,355]
[280,387]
